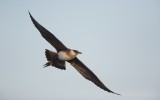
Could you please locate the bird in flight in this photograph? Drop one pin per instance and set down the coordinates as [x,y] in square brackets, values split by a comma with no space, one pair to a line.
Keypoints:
[64,54]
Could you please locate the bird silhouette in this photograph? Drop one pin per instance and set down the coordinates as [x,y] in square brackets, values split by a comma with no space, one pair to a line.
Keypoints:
[64,54]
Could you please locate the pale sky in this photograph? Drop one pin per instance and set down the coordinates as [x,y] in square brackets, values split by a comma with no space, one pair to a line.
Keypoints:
[119,41]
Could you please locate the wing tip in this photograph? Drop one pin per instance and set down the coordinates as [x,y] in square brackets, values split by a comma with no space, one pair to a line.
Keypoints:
[28,11]
[115,93]
[30,15]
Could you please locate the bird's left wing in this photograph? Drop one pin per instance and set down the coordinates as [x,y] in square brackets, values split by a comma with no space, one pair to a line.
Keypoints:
[57,44]
[88,74]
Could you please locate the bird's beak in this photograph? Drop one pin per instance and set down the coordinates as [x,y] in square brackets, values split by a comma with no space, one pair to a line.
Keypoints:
[79,52]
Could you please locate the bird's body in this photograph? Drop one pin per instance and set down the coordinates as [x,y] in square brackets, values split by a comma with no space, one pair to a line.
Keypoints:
[64,54]
[67,55]
[58,59]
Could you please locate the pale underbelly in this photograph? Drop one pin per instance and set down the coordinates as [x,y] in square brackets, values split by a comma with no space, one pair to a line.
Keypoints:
[64,56]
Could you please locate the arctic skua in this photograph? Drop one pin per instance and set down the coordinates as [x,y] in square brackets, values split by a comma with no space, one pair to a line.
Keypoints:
[64,54]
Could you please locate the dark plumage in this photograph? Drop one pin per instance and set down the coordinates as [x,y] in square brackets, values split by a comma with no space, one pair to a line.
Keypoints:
[53,60]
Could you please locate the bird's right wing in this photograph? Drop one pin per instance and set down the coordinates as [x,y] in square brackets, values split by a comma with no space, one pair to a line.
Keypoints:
[88,74]
[57,44]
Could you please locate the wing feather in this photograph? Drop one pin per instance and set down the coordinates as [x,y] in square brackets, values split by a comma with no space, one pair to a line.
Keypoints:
[57,44]
[88,74]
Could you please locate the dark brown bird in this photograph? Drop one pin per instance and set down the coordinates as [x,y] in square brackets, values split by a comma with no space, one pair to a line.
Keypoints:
[64,54]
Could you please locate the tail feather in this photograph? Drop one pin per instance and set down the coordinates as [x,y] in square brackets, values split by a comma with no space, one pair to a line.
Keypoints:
[50,55]
[59,64]
[53,60]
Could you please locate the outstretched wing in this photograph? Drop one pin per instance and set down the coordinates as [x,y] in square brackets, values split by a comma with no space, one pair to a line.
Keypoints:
[88,74]
[58,45]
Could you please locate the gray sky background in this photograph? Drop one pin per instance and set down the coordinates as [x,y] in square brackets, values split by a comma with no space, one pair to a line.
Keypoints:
[119,39]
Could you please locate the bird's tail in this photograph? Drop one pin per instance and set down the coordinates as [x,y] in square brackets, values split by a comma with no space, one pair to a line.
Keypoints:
[50,55]
[53,60]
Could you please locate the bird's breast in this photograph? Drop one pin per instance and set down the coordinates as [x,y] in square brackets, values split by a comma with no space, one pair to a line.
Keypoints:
[64,56]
